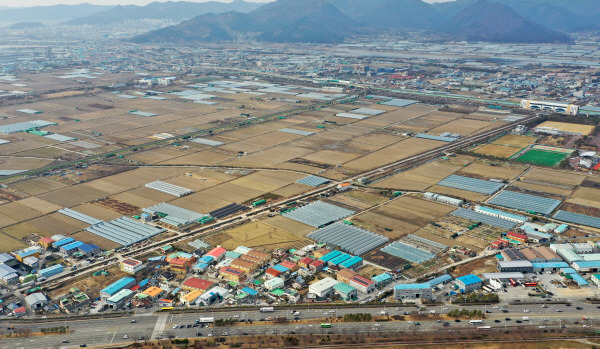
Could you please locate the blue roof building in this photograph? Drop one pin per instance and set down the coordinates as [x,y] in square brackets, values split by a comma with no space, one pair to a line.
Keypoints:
[112,289]
[469,282]
[63,242]
[70,248]
[207,259]
[561,229]
[579,280]
[549,266]
[250,291]
[281,268]
[439,280]
[382,279]
[50,271]
[352,263]
[339,259]
[90,250]
[413,291]
[331,255]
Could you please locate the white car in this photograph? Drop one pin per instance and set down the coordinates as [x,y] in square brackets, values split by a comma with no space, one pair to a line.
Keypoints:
[175,326]
[542,326]
[526,311]
[236,316]
[125,337]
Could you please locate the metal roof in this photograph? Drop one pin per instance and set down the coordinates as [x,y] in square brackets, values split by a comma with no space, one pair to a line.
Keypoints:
[169,188]
[59,138]
[579,279]
[349,238]
[318,213]
[544,265]
[514,264]
[471,184]
[124,231]
[142,113]
[296,132]
[118,285]
[351,116]
[484,218]
[421,286]
[435,138]
[22,126]
[469,279]
[29,111]
[408,252]
[396,102]
[205,141]
[518,276]
[525,202]
[79,216]
[439,280]
[368,111]
[176,216]
[578,218]
[313,181]
[3,141]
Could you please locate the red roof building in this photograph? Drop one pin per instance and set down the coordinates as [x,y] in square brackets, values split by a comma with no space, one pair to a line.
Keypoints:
[272,273]
[217,253]
[516,236]
[290,265]
[196,284]
[498,244]
[46,242]
[362,284]
[304,262]
[317,265]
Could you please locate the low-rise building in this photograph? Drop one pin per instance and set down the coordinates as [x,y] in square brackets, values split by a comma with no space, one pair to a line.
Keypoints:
[69,249]
[469,282]
[8,275]
[515,266]
[362,284]
[323,288]
[131,266]
[217,253]
[353,263]
[90,250]
[118,300]
[274,284]
[115,287]
[196,284]
[548,254]
[190,298]
[413,291]
[36,300]
[154,292]
[316,266]
[75,301]
[586,266]
[549,266]
[382,279]
[344,275]
[46,242]
[232,274]
[345,291]
[533,255]
[245,265]
[321,252]
[516,236]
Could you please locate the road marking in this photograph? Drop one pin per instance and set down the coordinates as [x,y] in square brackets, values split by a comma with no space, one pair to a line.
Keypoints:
[160,326]
[113,337]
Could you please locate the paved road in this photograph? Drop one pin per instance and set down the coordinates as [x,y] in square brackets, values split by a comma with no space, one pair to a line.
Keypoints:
[149,325]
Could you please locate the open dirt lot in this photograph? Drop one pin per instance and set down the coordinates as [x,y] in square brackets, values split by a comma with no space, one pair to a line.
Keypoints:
[289,225]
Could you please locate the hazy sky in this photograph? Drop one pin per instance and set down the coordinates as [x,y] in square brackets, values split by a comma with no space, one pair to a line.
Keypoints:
[24,3]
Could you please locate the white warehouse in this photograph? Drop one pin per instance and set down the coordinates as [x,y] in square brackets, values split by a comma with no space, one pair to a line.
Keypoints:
[443,199]
[323,288]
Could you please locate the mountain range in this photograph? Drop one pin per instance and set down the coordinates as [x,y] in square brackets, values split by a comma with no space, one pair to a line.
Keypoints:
[330,21]
[171,10]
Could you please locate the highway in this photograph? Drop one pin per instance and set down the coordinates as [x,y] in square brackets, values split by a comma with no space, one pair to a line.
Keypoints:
[150,325]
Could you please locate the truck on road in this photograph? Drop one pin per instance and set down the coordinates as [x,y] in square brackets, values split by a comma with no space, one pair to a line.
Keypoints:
[267,310]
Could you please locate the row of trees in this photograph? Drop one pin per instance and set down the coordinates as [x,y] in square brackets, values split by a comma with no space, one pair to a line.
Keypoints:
[225,322]
[474,298]
[358,317]
[57,329]
[456,313]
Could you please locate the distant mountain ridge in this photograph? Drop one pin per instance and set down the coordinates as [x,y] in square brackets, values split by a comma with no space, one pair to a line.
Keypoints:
[171,10]
[330,21]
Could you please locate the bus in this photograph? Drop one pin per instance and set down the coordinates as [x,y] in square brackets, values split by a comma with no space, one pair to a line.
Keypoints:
[483,328]
[166,308]
[475,322]
[530,284]
[512,282]
[325,325]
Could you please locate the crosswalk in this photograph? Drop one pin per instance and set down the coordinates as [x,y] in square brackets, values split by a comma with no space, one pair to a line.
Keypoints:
[160,325]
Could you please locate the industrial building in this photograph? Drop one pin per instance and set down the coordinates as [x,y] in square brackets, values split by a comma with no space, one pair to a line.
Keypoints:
[413,291]
[522,266]
[443,199]
[119,299]
[557,107]
[36,300]
[345,291]
[468,283]
[131,266]
[361,284]
[549,266]
[51,271]
[501,214]
[112,289]
[274,283]
[322,288]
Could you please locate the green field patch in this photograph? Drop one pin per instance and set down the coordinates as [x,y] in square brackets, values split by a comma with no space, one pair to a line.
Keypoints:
[542,157]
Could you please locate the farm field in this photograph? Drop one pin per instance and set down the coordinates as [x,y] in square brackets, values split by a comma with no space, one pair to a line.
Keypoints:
[404,216]
[422,177]
[485,169]
[541,157]
[458,193]
[288,225]
[497,150]
[586,197]
[547,175]
[568,127]
[517,141]
[258,234]
[543,188]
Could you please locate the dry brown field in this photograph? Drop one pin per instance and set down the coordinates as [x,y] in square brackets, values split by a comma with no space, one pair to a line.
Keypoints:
[568,127]
[419,178]
[463,127]
[457,193]
[554,176]
[515,141]
[10,243]
[260,234]
[289,225]
[89,238]
[586,197]
[543,188]
[405,215]
[497,150]
[506,171]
